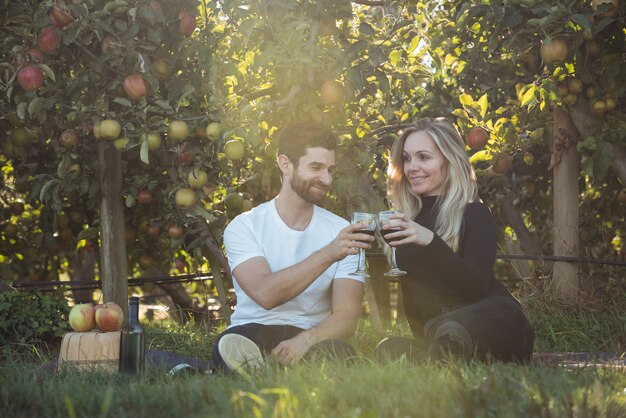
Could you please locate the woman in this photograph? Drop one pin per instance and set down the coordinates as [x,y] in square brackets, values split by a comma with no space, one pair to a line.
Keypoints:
[447,245]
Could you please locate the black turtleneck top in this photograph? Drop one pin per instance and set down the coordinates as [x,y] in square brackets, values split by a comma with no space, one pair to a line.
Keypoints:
[438,278]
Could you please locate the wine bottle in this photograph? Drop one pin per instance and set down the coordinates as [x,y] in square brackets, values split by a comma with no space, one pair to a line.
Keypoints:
[132,342]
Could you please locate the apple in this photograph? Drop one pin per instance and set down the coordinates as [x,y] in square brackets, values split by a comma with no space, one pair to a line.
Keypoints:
[68,138]
[161,68]
[107,129]
[120,143]
[62,15]
[614,5]
[178,130]
[570,99]
[48,40]
[598,107]
[11,230]
[183,157]
[180,265]
[610,103]
[477,138]
[82,317]
[213,130]
[246,205]
[197,178]
[21,137]
[332,92]
[106,41]
[30,77]
[502,163]
[109,317]
[153,230]
[233,201]
[135,86]
[144,196]
[590,92]
[574,85]
[234,149]
[146,261]
[621,196]
[553,50]
[175,231]
[31,54]
[153,138]
[187,23]
[185,198]
[563,89]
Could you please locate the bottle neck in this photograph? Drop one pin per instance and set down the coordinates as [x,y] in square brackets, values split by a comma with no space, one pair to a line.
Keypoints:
[133,311]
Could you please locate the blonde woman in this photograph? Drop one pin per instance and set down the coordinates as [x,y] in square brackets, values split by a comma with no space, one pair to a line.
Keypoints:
[447,245]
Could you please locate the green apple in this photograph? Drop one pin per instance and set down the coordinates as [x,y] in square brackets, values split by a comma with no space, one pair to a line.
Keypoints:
[178,130]
[213,130]
[153,138]
[197,178]
[234,149]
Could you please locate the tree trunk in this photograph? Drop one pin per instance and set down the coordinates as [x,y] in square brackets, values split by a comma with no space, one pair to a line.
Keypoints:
[82,267]
[113,245]
[566,164]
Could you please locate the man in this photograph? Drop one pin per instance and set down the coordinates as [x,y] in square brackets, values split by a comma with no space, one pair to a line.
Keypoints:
[291,262]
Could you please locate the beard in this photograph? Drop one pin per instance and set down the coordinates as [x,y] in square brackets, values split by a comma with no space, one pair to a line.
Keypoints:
[304,189]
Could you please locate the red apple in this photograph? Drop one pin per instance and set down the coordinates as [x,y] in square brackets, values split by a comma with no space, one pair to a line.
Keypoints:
[144,196]
[477,138]
[106,41]
[82,317]
[110,317]
[68,138]
[135,86]
[175,231]
[30,77]
[187,23]
[180,265]
[146,261]
[48,40]
[154,230]
[60,16]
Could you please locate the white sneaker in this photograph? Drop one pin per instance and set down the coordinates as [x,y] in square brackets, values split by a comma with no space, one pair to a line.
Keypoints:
[239,352]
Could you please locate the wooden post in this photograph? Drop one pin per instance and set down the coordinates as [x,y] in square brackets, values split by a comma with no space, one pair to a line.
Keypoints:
[566,165]
[113,243]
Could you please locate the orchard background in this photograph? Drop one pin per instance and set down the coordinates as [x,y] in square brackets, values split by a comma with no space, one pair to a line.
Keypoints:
[132,131]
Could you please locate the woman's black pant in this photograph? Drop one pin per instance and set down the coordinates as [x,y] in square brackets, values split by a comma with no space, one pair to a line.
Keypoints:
[497,327]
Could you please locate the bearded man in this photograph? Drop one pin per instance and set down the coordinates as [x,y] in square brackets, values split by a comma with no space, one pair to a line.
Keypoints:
[291,262]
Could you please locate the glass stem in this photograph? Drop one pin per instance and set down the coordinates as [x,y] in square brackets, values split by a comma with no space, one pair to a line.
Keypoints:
[393,258]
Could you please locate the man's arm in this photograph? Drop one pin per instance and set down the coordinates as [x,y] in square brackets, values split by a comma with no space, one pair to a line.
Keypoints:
[347,295]
[270,289]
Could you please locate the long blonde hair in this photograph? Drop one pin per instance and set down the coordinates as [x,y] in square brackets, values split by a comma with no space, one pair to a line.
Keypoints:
[459,186]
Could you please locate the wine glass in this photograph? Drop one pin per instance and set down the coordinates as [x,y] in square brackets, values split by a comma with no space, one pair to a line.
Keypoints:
[370,229]
[383,219]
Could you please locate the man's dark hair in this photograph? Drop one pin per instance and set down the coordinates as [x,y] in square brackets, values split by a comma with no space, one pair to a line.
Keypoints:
[293,140]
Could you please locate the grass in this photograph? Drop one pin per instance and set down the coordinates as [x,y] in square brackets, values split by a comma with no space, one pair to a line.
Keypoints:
[327,388]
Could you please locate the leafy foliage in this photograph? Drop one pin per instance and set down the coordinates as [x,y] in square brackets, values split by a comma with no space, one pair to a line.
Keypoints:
[32,317]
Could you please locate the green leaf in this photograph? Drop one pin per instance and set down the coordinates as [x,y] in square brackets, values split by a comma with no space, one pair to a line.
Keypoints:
[122,101]
[35,106]
[394,57]
[528,96]
[466,99]
[483,102]
[89,233]
[582,20]
[199,211]
[144,152]
[482,155]
[47,71]
[21,110]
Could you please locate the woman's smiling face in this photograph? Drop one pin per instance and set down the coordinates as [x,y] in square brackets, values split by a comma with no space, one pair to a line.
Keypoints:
[425,166]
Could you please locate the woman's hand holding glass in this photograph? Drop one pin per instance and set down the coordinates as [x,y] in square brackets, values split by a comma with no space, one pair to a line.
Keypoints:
[369,228]
[387,231]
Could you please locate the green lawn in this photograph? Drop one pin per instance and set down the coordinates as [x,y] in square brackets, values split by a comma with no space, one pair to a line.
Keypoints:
[323,388]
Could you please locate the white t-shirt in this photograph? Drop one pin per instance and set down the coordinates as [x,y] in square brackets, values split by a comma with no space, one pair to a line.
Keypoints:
[262,233]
